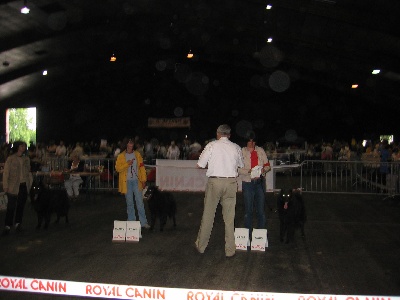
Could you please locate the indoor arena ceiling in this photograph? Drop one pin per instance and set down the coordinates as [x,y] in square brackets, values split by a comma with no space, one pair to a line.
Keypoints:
[327,43]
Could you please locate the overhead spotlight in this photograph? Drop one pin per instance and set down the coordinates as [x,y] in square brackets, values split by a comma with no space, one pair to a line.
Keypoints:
[269,40]
[113,58]
[376,72]
[44,73]
[268,6]
[25,9]
[190,54]
[354,86]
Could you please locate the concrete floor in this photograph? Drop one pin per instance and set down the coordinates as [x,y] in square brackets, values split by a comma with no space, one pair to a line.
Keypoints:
[352,247]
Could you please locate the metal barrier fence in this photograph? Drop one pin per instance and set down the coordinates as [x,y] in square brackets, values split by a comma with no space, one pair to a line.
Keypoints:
[320,176]
[107,180]
[362,177]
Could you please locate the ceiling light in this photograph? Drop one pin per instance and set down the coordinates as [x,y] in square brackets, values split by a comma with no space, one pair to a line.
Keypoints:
[376,71]
[190,54]
[44,73]
[268,6]
[269,40]
[25,10]
[354,86]
[113,58]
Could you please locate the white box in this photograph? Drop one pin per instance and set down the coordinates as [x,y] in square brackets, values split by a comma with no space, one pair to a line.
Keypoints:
[259,240]
[119,231]
[3,201]
[133,231]
[242,238]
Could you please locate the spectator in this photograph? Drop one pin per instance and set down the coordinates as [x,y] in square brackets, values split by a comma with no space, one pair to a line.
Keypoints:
[194,150]
[173,151]
[51,148]
[17,181]
[61,151]
[161,151]
[74,181]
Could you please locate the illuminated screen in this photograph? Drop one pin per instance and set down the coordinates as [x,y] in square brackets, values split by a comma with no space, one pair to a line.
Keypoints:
[21,125]
[389,138]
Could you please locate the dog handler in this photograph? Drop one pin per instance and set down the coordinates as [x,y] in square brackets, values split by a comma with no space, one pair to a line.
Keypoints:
[17,180]
[223,158]
[131,181]
[256,164]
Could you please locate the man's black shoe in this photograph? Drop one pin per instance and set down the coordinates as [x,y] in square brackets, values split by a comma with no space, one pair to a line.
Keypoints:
[18,228]
[6,231]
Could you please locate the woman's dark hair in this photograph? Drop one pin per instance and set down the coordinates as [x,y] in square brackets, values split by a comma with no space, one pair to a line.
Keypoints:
[251,135]
[125,142]
[16,145]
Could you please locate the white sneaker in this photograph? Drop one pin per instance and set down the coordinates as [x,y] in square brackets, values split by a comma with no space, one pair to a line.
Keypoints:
[146,226]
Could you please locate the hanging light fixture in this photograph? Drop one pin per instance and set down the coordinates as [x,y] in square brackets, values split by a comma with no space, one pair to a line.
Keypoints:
[25,9]
[113,58]
[190,54]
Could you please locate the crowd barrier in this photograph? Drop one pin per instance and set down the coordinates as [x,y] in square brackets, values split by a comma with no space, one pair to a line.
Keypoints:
[365,177]
[107,180]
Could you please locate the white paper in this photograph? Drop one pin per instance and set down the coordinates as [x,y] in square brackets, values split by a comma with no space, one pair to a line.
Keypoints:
[256,172]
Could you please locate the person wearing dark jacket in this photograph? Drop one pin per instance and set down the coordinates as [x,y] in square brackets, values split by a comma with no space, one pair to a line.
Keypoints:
[17,181]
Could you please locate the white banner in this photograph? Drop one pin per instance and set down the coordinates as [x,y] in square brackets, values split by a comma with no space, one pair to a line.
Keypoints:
[114,291]
[183,175]
[168,123]
[180,175]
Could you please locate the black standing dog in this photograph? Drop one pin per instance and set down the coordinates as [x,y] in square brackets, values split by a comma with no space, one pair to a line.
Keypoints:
[45,201]
[292,214]
[162,205]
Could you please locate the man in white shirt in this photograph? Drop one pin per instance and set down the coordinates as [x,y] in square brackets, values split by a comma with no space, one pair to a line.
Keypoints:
[223,158]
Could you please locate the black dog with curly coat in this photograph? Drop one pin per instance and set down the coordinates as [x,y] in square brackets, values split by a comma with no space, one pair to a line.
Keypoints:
[45,201]
[162,205]
[292,214]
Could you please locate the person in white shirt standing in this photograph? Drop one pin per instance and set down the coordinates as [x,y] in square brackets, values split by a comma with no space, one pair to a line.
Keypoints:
[223,158]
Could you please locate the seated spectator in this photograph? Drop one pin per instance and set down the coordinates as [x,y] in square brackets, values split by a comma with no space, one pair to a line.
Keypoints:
[78,150]
[74,181]
[327,152]
[344,153]
[61,151]
[396,155]
[173,151]
[148,152]
[194,150]
[51,148]
[161,151]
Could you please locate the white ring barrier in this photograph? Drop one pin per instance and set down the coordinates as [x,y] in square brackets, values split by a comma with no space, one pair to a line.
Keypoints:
[114,291]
